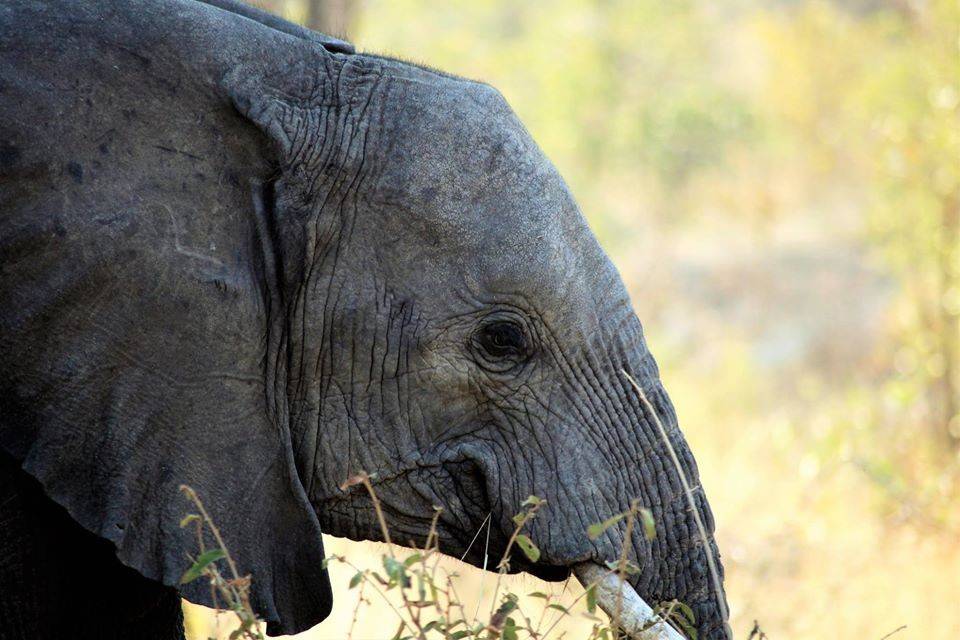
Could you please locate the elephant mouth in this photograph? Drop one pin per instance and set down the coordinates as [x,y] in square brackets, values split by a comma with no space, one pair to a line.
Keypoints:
[488,555]
[486,545]
[542,570]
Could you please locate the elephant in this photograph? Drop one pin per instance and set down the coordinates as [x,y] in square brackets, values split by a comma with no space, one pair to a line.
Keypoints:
[241,256]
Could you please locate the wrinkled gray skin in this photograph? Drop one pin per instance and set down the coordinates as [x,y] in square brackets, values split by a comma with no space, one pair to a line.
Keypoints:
[239,256]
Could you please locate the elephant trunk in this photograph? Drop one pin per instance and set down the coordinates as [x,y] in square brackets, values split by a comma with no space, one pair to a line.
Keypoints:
[699,581]
[681,562]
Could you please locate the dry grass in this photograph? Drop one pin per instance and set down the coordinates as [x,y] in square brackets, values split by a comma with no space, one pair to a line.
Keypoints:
[415,593]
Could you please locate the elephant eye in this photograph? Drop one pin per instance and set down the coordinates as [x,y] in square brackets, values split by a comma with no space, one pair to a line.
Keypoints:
[502,338]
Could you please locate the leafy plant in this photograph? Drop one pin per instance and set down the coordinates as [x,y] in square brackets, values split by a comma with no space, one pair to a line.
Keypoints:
[420,593]
[232,591]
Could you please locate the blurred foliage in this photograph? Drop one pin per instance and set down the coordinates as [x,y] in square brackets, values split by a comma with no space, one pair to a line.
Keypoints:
[779,183]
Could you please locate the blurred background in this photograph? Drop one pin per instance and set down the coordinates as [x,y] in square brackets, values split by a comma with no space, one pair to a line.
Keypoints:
[779,184]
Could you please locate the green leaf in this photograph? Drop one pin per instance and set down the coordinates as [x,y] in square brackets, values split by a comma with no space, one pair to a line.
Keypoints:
[355,580]
[507,607]
[687,611]
[203,561]
[187,519]
[628,568]
[457,635]
[529,549]
[649,525]
[396,571]
[592,598]
[531,501]
[596,530]
[539,594]
[411,559]
[392,567]
[509,630]
[558,607]
[688,629]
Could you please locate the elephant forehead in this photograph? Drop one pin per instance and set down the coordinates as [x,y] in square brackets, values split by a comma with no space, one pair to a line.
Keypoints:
[464,185]
[503,233]
[454,151]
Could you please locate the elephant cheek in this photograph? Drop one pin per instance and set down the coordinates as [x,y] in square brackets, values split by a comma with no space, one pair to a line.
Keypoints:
[439,397]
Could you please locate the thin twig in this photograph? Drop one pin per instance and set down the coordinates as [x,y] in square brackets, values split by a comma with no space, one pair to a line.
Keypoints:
[475,536]
[379,592]
[622,561]
[571,605]
[356,609]
[192,495]
[505,560]
[486,556]
[895,631]
[711,563]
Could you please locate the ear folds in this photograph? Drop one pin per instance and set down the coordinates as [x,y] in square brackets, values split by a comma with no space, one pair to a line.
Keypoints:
[310,110]
[311,106]
[289,101]
[272,103]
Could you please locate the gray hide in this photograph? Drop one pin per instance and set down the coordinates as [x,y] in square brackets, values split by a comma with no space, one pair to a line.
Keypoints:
[237,255]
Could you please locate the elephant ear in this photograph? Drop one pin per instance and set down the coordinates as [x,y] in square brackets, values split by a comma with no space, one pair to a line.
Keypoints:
[141,293]
[311,111]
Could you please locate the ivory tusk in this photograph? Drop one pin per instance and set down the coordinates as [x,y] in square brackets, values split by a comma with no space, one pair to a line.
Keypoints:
[636,618]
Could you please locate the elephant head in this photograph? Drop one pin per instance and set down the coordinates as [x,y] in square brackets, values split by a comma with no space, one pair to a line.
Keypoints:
[389,276]
[456,329]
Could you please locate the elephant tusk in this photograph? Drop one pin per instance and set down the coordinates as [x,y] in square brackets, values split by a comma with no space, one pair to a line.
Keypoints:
[622,603]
